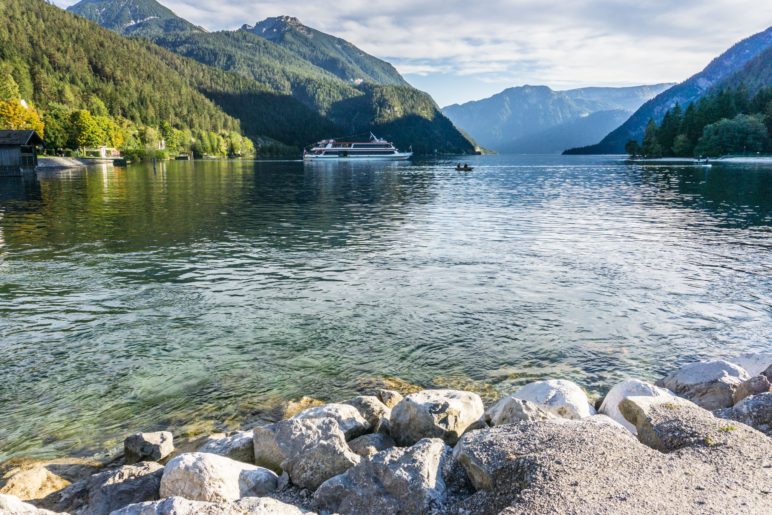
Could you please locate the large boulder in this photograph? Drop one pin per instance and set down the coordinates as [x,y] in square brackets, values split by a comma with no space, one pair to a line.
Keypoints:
[208,477]
[445,414]
[12,505]
[753,386]
[628,388]
[309,450]
[268,506]
[754,411]
[236,446]
[510,410]
[179,506]
[369,445]
[350,421]
[148,447]
[399,480]
[375,412]
[129,484]
[753,362]
[709,384]
[581,467]
[560,397]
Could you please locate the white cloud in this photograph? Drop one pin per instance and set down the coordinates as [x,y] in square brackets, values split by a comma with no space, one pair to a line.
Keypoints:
[577,43]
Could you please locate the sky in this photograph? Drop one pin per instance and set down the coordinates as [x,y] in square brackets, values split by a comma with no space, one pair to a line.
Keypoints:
[460,50]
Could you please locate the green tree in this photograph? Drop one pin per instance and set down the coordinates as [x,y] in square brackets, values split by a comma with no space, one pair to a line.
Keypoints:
[57,119]
[651,146]
[85,131]
[633,148]
[668,130]
[9,90]
[744,133]
[682,147]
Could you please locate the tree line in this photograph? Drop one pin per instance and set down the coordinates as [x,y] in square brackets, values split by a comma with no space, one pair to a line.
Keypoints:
[729,121]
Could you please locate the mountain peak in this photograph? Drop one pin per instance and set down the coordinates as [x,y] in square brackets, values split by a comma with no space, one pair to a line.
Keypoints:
[273,28]
[140,17]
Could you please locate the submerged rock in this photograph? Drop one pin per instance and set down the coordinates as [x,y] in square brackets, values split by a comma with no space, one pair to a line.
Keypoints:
[628,388]
[709,384]
[445,414]
[148,447]
[209,477]
[511,409]
[309,450]
[557,396]
[350,421]
[236,446]
[399,480]
[368,445]
[754,411]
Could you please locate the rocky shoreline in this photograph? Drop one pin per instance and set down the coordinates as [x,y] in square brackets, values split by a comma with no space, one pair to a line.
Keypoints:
[698,440]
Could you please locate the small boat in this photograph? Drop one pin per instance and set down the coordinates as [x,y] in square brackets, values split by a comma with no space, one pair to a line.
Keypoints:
[374,149]
[465,168]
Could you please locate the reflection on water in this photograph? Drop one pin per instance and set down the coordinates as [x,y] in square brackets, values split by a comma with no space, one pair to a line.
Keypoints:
[133,300]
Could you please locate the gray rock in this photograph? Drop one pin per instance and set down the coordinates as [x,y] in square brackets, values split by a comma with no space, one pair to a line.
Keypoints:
[148,447]
[309,450]
[753,386]
[510,410]
[350,421]
[12,505]
[368,445]
[208,477]
[560,397]
[581,467]
[236,446]
[373,410]
[179,506]
[268,506]
[114,489]
[445,414]
[389,398]
[399,481]
[628,388]
[754,411]
[709,384]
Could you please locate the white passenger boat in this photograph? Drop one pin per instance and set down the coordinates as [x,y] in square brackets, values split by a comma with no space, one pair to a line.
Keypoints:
[374,149]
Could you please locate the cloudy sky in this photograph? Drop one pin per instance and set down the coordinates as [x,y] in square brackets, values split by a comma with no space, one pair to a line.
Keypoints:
[461,50]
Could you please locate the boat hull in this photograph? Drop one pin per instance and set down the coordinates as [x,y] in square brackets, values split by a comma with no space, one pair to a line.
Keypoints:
[401,156]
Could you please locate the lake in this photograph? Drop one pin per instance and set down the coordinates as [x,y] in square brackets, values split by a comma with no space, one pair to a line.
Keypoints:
[199,296]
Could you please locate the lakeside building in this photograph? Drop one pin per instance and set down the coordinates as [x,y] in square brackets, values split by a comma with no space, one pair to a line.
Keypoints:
[18,152]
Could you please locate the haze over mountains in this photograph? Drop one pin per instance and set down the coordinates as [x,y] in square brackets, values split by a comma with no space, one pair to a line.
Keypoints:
[746,63]
[537,119]
[319,85]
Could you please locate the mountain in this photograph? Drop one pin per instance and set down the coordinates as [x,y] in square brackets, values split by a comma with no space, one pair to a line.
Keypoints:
[754,49]
[330,53]
[337,85]
[515,119]
[132,17]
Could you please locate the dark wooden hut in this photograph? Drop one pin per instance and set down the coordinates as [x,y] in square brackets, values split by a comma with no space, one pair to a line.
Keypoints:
[18,152]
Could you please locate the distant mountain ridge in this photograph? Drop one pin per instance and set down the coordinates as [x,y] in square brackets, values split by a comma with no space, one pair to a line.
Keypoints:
[726,69]
[338,85]
[508,122]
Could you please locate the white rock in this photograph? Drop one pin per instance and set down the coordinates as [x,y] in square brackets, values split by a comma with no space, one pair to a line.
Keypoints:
[208,477]
[179,506]
[12,505]
[445,414]
[350,420]
[236,446]
[753,362]
[629,388]
[559,397]
[510,410]
[709,384]
[268,506]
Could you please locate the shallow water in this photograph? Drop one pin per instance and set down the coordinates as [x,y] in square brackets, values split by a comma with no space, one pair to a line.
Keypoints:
[207,291]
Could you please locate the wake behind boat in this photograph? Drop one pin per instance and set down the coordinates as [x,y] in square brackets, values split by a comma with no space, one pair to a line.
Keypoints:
[374,149]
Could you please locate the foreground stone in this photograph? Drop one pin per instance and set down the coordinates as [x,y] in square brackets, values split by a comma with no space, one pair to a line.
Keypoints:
[43,480]
[631,387]
[12,505]
[376,413]
[268,506]
[753,386]
[510,410]
[148,446]
[113,489]
[310,450]
[209,477]
[389,398]
[368,445]
[445,414]
[179,506]
[557,396]
[754,411]
[709,384]
[236,446]
[399,480]
[350,421]
[580,467]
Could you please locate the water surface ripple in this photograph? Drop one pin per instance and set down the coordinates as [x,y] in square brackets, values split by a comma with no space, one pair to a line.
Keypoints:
[209,291]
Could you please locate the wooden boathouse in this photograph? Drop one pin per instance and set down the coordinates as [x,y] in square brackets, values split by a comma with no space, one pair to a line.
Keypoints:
[18,152]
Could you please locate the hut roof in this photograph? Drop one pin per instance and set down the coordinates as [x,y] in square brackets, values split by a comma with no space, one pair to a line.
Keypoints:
[14,138]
